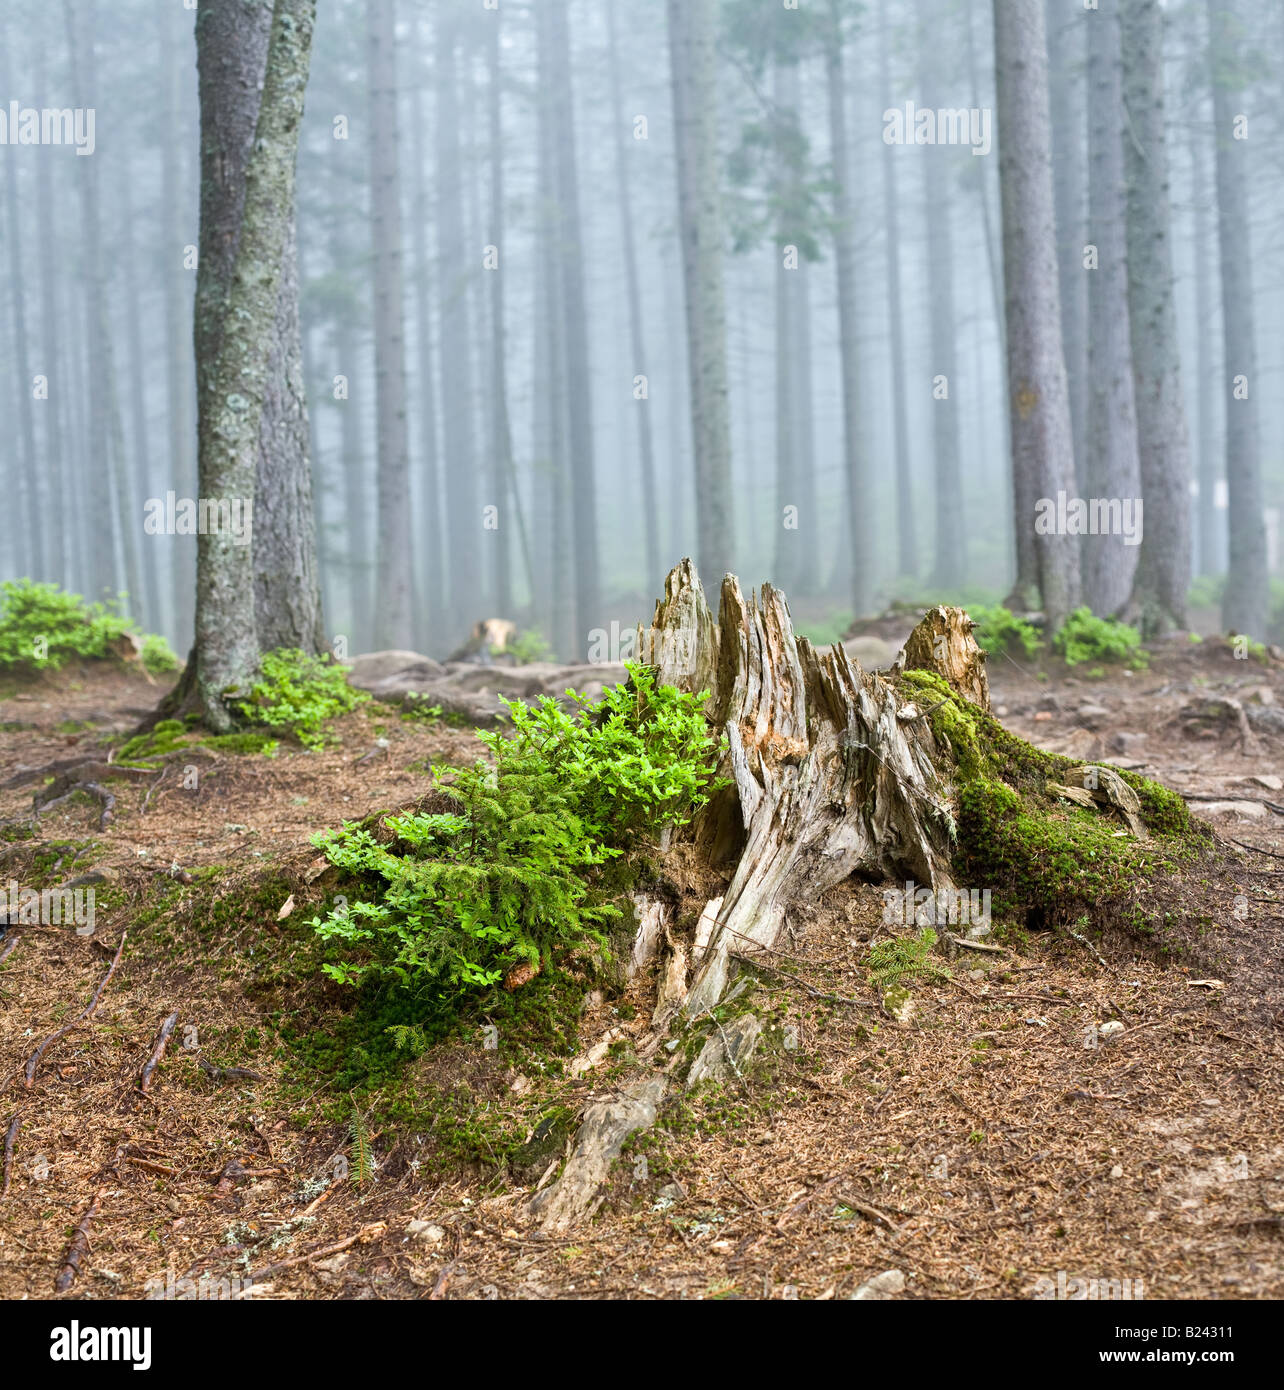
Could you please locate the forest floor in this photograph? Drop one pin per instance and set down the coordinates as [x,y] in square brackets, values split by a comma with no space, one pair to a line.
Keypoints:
[983,1149]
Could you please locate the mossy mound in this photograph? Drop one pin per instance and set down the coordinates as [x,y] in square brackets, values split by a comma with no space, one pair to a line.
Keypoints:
[1046,861]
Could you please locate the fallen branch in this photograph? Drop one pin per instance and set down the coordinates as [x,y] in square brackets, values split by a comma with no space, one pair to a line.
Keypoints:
[11,1134]
[366,1233]
[152,1167]
[158,1052]
[228,1073]
[33,1062]
[79,1246]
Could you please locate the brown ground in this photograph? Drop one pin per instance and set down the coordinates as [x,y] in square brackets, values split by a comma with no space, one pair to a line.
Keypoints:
[979,1149]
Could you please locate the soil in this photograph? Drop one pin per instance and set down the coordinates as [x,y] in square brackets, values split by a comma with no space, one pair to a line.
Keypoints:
[994,1142]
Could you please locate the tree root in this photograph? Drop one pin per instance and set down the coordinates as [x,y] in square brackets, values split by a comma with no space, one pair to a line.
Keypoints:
[33,1062]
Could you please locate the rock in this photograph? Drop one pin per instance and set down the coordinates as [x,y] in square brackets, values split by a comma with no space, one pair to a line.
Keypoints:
[373,667]
[881,1288]
[1126,743]
[873,653]
[721,1056]
[1243,810]
[1108,1030]
[1092,715]
[426,1232]
[1267,780]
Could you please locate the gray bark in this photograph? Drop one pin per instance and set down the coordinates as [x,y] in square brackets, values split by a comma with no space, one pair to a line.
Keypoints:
[232,405]
[1163,568]
[393,571]
[692,44]
[1245,602]
[1042,445]
[1110,466]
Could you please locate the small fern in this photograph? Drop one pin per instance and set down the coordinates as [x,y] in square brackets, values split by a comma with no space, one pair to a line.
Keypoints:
[408,1038]
[904,958]
[362,1169]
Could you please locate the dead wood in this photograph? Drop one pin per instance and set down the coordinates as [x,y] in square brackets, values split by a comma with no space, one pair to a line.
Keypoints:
[158,1052]
[79,1246]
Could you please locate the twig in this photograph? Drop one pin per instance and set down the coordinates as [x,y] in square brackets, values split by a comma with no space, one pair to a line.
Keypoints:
[365,1233]
[10,1135]
[1083,941]
[158,1052]
[79,1246]
[143,809]
[33,1062]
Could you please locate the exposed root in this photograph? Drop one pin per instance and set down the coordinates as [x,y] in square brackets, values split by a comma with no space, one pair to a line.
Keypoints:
[158,1052]
[79,1246]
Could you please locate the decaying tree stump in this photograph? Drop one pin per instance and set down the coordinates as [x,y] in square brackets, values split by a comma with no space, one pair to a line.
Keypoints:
[832,772]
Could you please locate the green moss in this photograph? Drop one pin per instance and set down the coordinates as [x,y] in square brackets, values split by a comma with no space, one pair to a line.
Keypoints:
[1045,861]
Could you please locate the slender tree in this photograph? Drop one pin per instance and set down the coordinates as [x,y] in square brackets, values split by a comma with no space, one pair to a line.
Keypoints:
[393,624]
[1163,567]
[1244,605]
[1110,442]
[692,46]
[1042,446]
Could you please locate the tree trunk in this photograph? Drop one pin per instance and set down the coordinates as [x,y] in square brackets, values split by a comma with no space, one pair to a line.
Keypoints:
[583,483]
[232,409]
[1042,446]
[692,45]
[939,170]
[1110,467]
[455,258]
[637,337]
[906,546]
[1163,568]
[1065,30]
[393,625]
[1211,461]
[1246,600]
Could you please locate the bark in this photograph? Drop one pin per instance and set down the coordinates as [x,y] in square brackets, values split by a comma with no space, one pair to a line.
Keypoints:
[1065,30]
[232,54]
[939,167]
[35,510]
[1163,568]
[393,567]
[462,519]
[52,362]
[637,337]
[583,484]
[1110,467]
[180,417]
[906,548]
[237,386]
[428,557]
[1245,602]
[692,44]
[1212,537]
[1042,446]
[100,563]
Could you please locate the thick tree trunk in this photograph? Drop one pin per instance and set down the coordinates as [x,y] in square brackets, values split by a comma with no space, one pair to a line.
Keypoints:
[1246,600]
[1210,460]
[394,568]
[232,53]
[1042,444]
[237,384]
[1163,568]
[1110,467]
[692,46]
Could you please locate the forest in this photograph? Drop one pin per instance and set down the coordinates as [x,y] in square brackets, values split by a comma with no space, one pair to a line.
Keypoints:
[641,658]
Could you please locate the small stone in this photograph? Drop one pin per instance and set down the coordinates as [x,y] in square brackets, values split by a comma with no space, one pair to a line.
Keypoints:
[1116,1171]
[426,1232]
[881,1288]
[1109,1029]
[1269,781]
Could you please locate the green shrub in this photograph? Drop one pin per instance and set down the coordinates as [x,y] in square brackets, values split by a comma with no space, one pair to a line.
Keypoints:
[1085,637]
[901,958]
[509,874]
[530,646]
[158,656]
[41,626]
[999,630]
[297,694]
